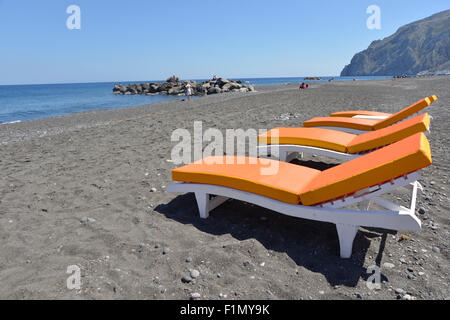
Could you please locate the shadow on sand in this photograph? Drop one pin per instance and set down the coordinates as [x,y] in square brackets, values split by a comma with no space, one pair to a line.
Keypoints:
[310,244]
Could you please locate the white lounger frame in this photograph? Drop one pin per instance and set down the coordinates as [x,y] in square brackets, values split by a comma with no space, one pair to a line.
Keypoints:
[347,221]
[288,152]
[370,117]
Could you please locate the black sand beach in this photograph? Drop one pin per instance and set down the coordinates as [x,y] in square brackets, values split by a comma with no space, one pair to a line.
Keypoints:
[76,190]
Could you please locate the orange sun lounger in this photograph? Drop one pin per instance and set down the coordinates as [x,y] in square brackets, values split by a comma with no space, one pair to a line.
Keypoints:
[289,142]
[312,194]
[367,121]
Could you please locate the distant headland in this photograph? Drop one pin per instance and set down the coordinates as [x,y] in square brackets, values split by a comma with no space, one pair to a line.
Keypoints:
[419,48]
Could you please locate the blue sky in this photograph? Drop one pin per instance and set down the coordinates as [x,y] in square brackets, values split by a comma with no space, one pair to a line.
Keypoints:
[150,40]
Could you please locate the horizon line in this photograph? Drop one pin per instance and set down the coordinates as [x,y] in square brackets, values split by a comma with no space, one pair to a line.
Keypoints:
[194,79]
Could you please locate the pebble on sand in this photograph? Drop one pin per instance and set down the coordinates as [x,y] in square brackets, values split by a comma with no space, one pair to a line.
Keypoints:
[195,296]
[436,250]
[194,274]
[399,291]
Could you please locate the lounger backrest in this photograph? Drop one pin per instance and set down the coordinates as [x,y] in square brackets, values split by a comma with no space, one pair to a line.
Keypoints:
[391,134]
[405,113]
[393,161]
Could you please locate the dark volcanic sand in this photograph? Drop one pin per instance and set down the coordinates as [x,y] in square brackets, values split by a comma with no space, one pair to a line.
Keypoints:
[101,165]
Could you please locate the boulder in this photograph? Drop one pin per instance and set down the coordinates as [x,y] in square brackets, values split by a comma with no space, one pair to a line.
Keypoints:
[200,90]
[232,85]
[235,85]
[214,90]
[173,86]
[166,86]
[206,85]
[176,90]
[228,86]
[154,87]
[222,81]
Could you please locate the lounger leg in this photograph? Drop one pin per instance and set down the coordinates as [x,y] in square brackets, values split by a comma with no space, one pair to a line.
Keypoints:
[291,156]
[283,156]
[203,204]
[364,205]
[346,234]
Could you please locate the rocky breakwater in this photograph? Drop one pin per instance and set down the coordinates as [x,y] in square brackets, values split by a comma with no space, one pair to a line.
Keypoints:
[173,86]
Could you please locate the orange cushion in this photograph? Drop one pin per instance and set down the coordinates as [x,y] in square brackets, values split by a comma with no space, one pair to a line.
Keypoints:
[240,173]
[291,183]
[352,123]
[353,113]
[385,136]
[405,113]
[315,137]
[370,124]
[346,142]
[395,160]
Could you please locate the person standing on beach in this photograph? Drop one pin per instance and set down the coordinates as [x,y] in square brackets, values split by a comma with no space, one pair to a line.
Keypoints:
[188,91]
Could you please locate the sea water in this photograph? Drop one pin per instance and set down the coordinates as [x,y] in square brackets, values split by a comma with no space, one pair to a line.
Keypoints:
[27,102]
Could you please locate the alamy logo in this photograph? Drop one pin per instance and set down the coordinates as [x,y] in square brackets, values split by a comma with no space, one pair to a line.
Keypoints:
[374,280]
[374,21]
[73,22]
[190,148]
[74,280]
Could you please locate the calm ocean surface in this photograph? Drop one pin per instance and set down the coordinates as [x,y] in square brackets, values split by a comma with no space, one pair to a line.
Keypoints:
[28,102]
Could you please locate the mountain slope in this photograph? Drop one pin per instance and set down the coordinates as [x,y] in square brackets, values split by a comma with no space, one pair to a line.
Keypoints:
[419,47]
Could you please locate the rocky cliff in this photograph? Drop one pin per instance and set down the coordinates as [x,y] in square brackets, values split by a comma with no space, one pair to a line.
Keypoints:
[421,47]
